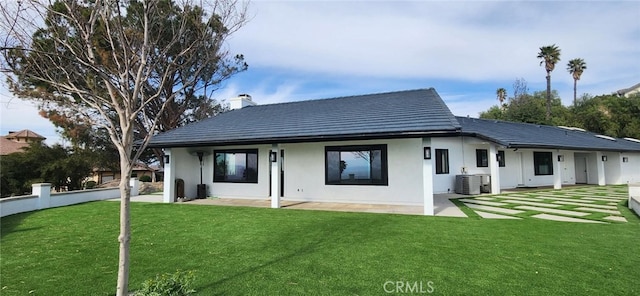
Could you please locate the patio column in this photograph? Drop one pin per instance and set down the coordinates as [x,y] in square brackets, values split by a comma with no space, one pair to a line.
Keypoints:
[600,168]
[169,190]
[427,177]
[43,191]
[275,176]
[557,171]
[494,166]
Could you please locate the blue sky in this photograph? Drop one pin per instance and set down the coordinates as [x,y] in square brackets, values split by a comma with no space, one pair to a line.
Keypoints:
[298,50]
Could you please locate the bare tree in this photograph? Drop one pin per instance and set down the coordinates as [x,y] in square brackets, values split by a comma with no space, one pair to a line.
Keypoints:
[112,61]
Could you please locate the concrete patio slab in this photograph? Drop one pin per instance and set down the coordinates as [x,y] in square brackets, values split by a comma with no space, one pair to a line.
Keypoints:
[537,204]
[563,219]
[585,205]
[565,199]
[494,209]
[487,215]
[554,211]
[616,218]
[613,212]
[531,199]
[483,202]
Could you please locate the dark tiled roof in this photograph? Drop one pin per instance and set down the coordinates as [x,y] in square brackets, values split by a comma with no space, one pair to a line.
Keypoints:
[525,135]
[383,115]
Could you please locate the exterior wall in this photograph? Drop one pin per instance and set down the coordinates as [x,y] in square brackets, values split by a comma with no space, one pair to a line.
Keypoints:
[304,171]
[612,168]
[445,183]
[304,167]
[187,168]
[630,170]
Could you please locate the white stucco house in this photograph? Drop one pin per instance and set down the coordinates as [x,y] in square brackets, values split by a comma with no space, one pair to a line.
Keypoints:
[388,148]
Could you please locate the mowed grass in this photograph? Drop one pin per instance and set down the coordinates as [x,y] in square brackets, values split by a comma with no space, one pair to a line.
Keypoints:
[253,251]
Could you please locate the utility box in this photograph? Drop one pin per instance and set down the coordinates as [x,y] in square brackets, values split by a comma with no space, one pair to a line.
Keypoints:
[202,191]
[468,184]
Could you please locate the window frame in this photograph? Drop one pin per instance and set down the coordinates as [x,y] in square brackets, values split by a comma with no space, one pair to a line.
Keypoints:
[537,158]
[482,158]
[502,162]
[247,152]
[442,168]
[384,166]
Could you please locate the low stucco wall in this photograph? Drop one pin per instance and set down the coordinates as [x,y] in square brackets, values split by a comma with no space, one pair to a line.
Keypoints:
[43,198]
[634,198]
[18,204]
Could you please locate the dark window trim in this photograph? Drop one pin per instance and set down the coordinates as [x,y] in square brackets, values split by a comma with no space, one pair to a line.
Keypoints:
[231,151]
[482,158]
[503,162]
[384,181]
[442,168]
[536,164]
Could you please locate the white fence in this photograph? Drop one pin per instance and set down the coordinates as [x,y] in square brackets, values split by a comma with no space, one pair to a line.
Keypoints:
[42,198]
[634,198]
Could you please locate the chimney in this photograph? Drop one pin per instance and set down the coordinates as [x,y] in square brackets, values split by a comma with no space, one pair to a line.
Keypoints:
[241,101]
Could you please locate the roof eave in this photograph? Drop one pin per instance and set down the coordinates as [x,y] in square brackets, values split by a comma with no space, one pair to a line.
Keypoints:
[307,139]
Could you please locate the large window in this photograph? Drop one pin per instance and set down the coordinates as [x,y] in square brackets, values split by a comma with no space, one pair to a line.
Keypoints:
[442,161]
[356,165]
[542,163]
[482,158]
[236,166]
[501,160]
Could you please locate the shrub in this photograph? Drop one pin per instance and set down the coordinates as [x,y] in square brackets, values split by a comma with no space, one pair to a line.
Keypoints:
[176,284]
[90,185]
[145,178]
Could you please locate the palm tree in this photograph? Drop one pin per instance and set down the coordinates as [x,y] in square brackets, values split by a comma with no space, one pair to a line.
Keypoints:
[501,93]
[575,68]
[550,55]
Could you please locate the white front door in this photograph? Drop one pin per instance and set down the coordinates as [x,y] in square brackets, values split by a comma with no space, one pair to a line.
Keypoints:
[581,170]
[521,169]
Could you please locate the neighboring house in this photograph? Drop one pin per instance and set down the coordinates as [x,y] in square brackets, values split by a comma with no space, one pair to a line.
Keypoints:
[101,175]
[388,148]
[627,92]
[16,141]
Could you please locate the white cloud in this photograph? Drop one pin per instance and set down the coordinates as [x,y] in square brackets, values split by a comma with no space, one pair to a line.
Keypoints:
[468,41]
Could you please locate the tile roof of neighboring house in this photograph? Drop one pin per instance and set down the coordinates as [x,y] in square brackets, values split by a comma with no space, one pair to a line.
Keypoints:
[24,134]
[525,135]
[383,115]
[7,146]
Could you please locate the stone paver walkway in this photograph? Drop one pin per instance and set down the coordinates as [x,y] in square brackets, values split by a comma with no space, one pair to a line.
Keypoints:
[579,204]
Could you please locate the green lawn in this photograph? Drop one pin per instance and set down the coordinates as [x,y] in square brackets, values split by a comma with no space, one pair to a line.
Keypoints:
[252,251]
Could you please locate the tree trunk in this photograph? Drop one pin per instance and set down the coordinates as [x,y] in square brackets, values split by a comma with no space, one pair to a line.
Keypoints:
[548,97]
[575,92]
[126,165]
[125,235]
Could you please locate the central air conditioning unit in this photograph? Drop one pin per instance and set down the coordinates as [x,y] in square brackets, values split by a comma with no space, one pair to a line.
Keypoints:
[468,184]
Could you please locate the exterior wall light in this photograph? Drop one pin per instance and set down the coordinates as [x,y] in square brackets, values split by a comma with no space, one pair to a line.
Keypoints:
[560,158]
[166,158]
[273,156]
[427,152]
[604,158]
[625,159]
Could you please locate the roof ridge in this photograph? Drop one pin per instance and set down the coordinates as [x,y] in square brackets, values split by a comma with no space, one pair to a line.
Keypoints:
[344,97]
